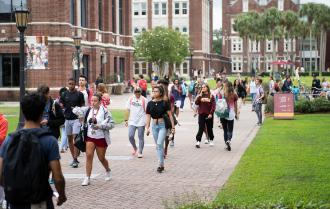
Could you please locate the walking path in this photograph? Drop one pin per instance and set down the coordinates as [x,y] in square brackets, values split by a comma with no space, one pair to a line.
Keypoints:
[135,182]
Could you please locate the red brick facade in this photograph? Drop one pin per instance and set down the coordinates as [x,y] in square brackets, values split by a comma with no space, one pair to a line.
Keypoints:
[231,8]
[52,19]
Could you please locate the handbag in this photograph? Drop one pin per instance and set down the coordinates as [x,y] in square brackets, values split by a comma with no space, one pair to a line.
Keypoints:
[79,141]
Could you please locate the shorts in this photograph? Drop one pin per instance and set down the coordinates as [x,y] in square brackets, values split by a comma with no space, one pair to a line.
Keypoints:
[177,103]
[72,127]
[97,142]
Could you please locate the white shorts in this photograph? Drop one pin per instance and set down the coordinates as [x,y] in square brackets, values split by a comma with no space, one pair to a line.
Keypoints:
[72,127]
[177,103]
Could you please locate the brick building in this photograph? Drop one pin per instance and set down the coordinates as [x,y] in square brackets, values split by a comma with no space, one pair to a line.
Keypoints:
[190,17]
[106,46]
[261,54]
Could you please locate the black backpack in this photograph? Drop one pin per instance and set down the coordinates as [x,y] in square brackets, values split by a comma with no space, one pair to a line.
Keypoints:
[25,170]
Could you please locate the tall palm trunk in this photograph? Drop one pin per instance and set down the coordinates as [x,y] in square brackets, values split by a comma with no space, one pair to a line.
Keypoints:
[316,55]
[248,56]
[274,51]
[310,51]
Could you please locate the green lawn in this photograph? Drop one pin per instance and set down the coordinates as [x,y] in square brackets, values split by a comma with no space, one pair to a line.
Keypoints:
[12,114]
[288,161]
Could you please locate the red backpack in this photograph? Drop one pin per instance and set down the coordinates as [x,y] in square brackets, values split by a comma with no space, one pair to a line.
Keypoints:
[143,84]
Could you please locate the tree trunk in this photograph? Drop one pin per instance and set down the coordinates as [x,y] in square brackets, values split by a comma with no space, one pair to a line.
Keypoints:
[274,52]
[248,56]
[316,55]
[310,51]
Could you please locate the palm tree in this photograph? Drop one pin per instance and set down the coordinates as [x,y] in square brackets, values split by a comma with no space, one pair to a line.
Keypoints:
[300,32]
[309,10]
[273,19]
[322,23]
[289,21]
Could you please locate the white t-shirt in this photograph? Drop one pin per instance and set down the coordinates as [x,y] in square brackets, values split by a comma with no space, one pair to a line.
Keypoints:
[84,92]
[253,88]
[99,115]
[137,108]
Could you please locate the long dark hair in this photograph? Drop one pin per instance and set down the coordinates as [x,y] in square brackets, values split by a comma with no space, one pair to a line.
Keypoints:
[229,91]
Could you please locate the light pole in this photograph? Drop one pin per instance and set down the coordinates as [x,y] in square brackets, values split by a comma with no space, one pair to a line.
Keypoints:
[21,17]
[191,50]
[77,43]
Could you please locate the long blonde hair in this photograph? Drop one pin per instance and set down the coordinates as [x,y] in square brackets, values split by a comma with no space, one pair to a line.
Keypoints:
[101,87]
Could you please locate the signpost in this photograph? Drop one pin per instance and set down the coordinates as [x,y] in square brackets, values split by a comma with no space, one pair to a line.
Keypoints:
[283,106]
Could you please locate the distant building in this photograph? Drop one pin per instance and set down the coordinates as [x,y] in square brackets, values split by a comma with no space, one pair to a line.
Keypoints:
[261,54]
[105,27]
[191,17]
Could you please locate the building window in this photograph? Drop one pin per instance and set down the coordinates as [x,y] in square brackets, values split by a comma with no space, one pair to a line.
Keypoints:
[184,29]
[100,15]
[120,8]
[136,30]
[245,5]
[184,8]
[137,68]
[236,45]
[177,8]
[72,12]
[7,9]
[144,68]
[236,64]
[144,8]
[143,30]
[114,16]
[9,70]
[136,8]
[177,29]
[185,68]
[164,8]
[280,5]
[84,13]
[156,8]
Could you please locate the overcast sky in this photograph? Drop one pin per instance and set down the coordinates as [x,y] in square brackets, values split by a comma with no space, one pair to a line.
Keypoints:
[217,10]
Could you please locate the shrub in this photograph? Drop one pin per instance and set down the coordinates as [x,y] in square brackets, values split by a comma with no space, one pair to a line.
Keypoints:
[320,104]
[269,107]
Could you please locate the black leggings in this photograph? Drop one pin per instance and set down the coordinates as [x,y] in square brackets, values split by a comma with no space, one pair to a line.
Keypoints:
[228,126]
[202,121]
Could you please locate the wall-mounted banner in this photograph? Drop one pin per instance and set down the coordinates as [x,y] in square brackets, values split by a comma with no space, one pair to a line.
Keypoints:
[37,52]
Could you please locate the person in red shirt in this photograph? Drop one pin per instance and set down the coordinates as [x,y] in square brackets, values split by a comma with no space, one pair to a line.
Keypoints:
[3,128]
[206,102]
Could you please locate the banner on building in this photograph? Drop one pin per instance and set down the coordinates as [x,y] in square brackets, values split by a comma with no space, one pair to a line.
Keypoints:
[37,52]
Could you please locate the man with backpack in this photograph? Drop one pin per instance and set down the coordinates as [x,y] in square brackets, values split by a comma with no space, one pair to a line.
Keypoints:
[52,117]
[142,83]
[26,158]
[72,98]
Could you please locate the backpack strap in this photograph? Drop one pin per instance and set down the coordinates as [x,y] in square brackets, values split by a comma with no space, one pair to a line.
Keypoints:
[86,115]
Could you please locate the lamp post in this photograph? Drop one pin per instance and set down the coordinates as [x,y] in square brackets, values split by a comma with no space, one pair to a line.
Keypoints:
[77,43]
[21,17]
[191,50]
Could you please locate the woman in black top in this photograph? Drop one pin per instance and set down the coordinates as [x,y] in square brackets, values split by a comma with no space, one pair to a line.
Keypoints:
[156,109]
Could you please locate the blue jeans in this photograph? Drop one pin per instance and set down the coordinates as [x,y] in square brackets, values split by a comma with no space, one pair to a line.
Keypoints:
[131,134]
[159,134]
[253,95]
[183,97]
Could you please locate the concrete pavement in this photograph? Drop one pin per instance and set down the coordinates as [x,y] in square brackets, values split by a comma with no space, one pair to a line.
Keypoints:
[135,182]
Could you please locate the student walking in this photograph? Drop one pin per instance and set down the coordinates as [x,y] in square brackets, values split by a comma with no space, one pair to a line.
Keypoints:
[135,118]
[228,122]
[41,157]
[52,117]
[206,107]
[102,89]
[258,100]
[183,94]
[253,90]
[99,122]
[72,98]
[156,109]
[84,90]
[176,91]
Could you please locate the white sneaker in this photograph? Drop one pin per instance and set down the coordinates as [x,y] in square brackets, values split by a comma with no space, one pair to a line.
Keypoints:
[86,181]
[206,141]
[4,204]
[198,144]
[108,176]
[211,144]
[140,155]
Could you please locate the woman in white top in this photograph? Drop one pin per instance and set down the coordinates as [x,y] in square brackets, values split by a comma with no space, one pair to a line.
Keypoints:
[98,123]
[253,90]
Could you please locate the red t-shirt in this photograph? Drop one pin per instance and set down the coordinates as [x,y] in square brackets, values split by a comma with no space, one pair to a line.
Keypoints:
[3,128]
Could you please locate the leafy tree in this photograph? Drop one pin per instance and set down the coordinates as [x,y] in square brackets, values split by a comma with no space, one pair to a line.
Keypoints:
[162,46]
[217,42]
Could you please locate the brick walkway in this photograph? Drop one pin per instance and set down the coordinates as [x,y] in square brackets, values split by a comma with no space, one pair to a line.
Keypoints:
[135,182]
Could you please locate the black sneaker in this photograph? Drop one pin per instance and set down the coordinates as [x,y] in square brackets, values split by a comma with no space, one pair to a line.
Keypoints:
[160,169]
[228,145]
[75,164]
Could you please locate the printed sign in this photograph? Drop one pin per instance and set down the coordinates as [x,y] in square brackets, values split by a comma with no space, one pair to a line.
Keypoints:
[37,52]
[283,106]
